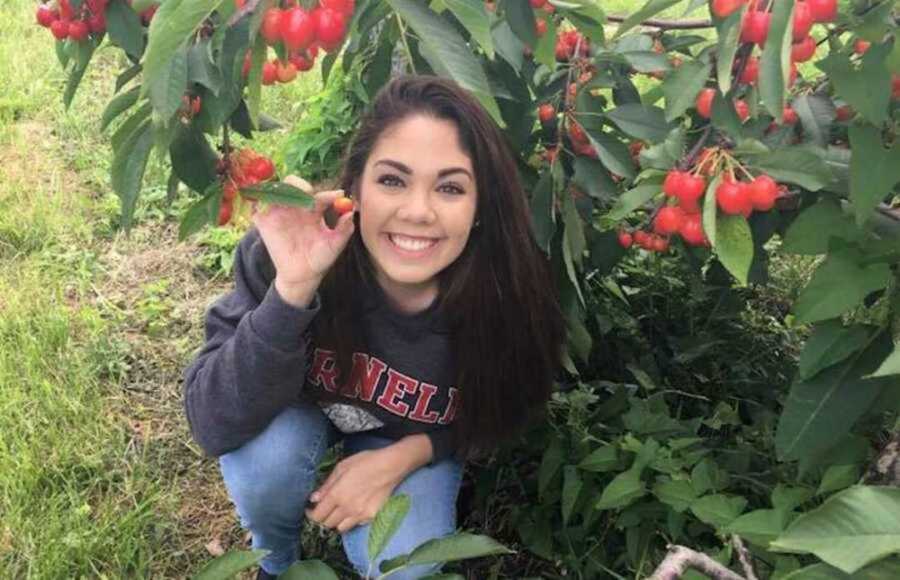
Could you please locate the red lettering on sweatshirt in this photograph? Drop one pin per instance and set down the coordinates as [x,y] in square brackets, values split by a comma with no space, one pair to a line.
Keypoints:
[397,385]
[324,370]
[451,407]
[364,377]
[426,392]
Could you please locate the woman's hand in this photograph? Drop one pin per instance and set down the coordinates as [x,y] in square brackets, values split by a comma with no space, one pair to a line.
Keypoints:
[301,245]
[356,489]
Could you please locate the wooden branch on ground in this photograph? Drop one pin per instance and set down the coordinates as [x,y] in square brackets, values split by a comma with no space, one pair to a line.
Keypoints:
[744,557]
[688,24]
[885,469]
[680,558]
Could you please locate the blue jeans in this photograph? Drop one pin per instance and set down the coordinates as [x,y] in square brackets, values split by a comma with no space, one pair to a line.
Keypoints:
[270,477]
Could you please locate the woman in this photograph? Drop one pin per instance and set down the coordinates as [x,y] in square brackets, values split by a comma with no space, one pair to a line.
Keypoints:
[431,297]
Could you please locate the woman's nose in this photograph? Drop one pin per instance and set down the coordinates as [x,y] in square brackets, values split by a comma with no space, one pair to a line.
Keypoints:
[417,207]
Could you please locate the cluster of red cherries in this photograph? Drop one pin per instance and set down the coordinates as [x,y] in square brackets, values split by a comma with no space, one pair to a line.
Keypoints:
[240,169]
[301,33]
[686,190]
[64,21]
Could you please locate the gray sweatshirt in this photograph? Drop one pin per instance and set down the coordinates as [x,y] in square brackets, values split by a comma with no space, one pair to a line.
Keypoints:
[260,356]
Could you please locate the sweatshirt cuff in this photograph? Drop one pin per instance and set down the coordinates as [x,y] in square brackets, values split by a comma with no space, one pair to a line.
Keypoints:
[441,445]
[280,323]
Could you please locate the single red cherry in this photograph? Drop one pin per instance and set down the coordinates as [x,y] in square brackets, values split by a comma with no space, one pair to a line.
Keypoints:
[743,109]
[751,71]
[803,20]
[298,29]
[342,205]
[538,3]
[844,113]
[705,101]
[262,168]
[659,244]
[287,71]
[224,213]
[733,199]
[345,7]
[804,50]
[330,26]
[895,86]
[97,23]
[301,61]
[673,184]
[692,230]
[65,10]
[625,239]
[540,27]
[271,28]
[861,46]
[790,116]
[725,8]
[823,10]
[60,29]
[643,239]
[692,189]
[546,113]
[45,16]
[668,220]
[763,192]
[755,27]
[576,133]
[269,72]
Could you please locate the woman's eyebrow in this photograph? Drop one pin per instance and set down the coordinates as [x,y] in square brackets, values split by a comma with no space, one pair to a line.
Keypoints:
[405,169]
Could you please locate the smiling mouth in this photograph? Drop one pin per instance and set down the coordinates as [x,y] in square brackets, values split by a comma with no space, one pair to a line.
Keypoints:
[411,244]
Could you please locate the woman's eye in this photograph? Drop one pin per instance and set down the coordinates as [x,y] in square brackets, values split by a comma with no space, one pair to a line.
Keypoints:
[452,188]
[390,180]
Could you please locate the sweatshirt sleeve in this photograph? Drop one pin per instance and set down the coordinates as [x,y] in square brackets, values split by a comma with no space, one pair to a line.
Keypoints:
[441,445]
[253,362]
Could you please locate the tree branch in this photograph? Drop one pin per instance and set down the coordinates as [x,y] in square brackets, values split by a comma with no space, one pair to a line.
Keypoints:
[681,558]
[744,557]
[688,24]
[886,467]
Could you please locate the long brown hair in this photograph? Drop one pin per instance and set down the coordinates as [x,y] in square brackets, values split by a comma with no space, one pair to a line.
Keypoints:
[498,298]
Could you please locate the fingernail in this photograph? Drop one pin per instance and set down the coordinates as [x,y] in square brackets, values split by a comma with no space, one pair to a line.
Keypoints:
[314,497]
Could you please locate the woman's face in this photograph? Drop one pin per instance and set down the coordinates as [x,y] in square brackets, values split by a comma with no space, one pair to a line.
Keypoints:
[416,206]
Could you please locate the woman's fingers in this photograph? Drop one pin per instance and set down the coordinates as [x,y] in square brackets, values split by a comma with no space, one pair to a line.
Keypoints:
[347,525]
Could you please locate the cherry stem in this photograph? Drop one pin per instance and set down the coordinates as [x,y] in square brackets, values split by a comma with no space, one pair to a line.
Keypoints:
[695,150]
[686,24]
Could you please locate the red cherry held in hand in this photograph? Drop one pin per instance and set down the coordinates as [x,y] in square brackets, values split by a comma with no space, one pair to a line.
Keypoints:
[342,205]
[298,29]
[823,10]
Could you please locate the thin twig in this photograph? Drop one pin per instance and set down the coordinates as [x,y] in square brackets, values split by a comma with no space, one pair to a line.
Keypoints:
[688,24]
[743,557]
[248,8]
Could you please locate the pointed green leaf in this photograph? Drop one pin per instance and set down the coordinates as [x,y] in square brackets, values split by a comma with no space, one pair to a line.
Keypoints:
[622,491]
[167,87]
[820,412]
[461,546]
[640,121]
[574,228]
[729,39]
[542,213]
[829,344]
[474,17]
[193,159]
[760,527]
[605,458]
[386,523]
[682,87]
[123,26]
[83,53]
[890,366]
[204,211]
[278,192]
[866,88]
[308,570]
[677,493]
[803,165]
[572,485]
[817,225]
[839,284]
[774,66]
[874,170]
[118,105]
[230,563]
[718,510]
[734,245]
[128,169]
[853,528]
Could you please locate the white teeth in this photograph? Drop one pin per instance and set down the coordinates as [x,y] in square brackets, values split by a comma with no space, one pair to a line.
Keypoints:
[411,244]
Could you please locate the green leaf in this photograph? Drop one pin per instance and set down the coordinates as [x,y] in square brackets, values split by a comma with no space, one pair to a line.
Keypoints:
[760,527]
[118,105]
[230,563]
[774,65]
[718,510]
[803,165]
[551,462]
[664,155]
[734,245]
[839,284]
[838,477]
[474,17]
[545,50]
[123,25]
[386,523]
[649,10]
[604,458]
[866,88]
[520,17]
[574,228]
[829,344]
[851,529]
[677,493]
[591,176]
[820,412]
[729,39]
[279,193]
[817,113]
[883,570]
[622,491]
[127,76]
[509,46]
[204,211]
[817,225]
[83,54]
[173,25]
[201,69]
[572,485]
[641,121]
[785,498]
[461,546]
[682,87]
[193,159]
[543,218]
[447,52]
[612,152]
[128,167]
[308,570]
[874,170]
[890,366]
[631,200]
[168,86]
